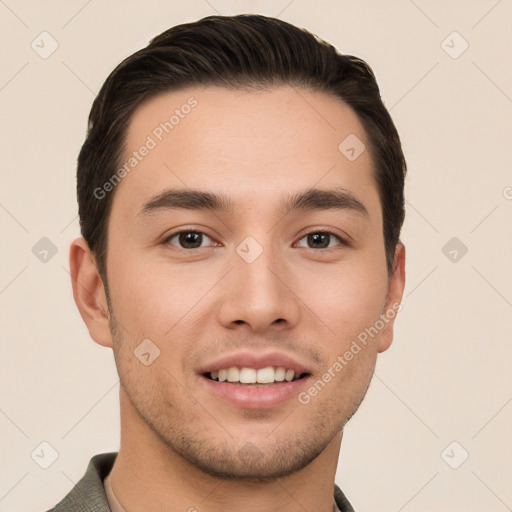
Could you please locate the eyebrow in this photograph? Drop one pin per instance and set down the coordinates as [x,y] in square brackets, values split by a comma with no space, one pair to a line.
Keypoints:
[311,199]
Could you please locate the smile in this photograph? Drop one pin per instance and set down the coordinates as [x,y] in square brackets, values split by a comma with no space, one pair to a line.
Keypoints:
[246,375]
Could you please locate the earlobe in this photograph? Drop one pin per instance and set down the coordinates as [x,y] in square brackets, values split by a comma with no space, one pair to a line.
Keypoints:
[395,293]
[89,292]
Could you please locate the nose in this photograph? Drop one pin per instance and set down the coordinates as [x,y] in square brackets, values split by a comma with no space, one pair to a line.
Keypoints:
[259,294]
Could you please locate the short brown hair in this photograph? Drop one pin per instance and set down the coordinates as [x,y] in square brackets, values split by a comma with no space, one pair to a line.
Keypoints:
[236,52]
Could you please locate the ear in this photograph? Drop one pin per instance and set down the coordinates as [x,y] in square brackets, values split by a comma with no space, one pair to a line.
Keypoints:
[89,293]
[395,291]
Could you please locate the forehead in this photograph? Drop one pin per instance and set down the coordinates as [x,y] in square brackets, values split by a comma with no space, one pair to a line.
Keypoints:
[250,145]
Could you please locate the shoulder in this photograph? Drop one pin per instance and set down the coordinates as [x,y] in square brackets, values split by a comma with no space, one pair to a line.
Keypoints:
[88,495]
[341,500]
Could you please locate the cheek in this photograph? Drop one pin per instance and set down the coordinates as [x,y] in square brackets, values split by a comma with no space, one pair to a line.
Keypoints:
[156,300]
[149,307]
[348,300]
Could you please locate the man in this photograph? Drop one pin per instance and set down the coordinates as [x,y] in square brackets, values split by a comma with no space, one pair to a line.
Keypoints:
[241,198]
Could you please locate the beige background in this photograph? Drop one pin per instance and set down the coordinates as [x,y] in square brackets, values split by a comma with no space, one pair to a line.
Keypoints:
[447,376]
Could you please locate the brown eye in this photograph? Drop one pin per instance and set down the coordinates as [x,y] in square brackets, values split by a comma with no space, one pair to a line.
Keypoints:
[188,239]
[321,240]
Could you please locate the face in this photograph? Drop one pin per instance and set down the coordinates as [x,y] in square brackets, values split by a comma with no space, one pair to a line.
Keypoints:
[244,238]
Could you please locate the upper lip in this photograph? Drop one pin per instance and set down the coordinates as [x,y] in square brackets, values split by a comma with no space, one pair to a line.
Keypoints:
[244,359]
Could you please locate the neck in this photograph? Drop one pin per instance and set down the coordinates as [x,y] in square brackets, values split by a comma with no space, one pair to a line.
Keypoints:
[149,475]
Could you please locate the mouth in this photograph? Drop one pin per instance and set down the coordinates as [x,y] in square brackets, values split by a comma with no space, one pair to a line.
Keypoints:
[248,388]
[255,380]
[260,377]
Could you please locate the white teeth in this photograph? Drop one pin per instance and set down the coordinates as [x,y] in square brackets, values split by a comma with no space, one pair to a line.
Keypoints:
[279,374]
[233,374]
[289,375]
[265,375]
[246,375]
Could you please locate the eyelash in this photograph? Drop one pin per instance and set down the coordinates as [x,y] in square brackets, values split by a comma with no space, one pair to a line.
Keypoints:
[343,242]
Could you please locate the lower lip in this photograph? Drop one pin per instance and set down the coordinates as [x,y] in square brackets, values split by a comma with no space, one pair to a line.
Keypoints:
[255,397]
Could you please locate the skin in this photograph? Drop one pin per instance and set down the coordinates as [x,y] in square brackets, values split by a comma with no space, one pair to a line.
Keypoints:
[182,447]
